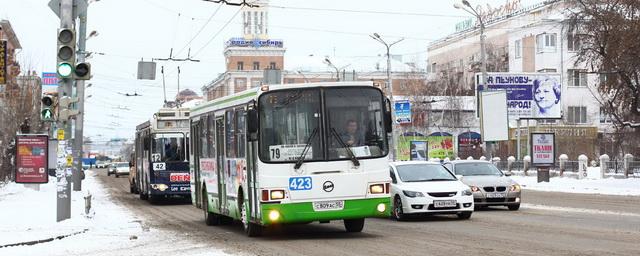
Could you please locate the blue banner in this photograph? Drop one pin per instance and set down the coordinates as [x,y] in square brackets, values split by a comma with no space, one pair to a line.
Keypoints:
[403,112]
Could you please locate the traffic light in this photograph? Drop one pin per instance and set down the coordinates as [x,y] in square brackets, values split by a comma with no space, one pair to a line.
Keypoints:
[66,52]
[65,112]
[47,111]
[82,71]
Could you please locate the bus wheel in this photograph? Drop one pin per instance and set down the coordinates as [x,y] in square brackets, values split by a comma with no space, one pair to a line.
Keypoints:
[251,229]
[144,195]
[211,219]
[354,225]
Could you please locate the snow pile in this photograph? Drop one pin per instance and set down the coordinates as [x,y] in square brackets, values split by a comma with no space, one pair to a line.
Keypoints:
[608,186]
[27,215]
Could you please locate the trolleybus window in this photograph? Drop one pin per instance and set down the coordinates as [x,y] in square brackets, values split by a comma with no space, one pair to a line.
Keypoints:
[355,123]
[289,123]
[168,147]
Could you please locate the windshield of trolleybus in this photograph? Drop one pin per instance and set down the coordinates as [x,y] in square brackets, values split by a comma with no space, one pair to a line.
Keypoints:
[291,120]
[168,147]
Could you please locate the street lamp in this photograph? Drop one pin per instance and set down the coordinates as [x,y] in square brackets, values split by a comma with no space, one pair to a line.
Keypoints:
[483,59]
[389,88]
[303,76]
[328,62]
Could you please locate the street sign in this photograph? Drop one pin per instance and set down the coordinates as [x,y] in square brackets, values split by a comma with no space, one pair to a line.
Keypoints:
[79,7]
[60,134]
[31,159]
[403,112]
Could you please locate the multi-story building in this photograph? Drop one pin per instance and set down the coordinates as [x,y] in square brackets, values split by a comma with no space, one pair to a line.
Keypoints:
[527,39]
[9,67]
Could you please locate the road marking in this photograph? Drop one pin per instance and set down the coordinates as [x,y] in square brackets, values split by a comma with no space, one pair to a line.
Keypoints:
[577,210]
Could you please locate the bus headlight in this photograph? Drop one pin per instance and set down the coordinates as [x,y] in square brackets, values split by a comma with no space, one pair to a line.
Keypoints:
[274,215]
[376,189]
[381,207]
[277,194]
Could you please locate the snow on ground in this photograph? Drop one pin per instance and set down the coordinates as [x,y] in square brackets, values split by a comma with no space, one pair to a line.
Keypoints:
[28,215]
[607,186]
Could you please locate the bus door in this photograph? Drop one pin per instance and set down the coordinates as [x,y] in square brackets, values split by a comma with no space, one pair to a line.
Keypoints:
[252,180]
[220,168]
[196,149]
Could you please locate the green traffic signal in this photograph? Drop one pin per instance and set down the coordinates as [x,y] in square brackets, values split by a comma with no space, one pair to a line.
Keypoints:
[46,115]
[65,70]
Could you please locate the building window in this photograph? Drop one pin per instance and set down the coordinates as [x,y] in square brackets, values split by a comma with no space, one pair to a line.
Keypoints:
[546,43]
[577,77]
[518,46]
[291,81]
[573,42]
[577,115]
[256,65]
[604,116]
[272,65]
[255,83]
[240,65]
[433,67]
[547,70]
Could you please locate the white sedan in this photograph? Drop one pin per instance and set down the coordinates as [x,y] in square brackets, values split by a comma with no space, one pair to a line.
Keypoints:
[428,188]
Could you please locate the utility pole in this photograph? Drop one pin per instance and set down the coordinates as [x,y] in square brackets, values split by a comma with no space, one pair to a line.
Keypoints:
[483,68]
[394,136]
[78,140]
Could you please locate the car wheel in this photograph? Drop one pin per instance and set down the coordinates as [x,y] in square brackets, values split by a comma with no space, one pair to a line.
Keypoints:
[250,228]
[354,225]
[108,173]
[398,213]
[464,215]
[117,176]
[514,207]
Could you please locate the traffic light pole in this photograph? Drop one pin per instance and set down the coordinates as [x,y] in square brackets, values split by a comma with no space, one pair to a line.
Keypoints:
[77,142]
[63,196]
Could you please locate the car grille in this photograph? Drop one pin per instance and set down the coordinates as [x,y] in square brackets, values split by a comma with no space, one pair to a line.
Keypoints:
[442,194]
[495,200]
[493,189]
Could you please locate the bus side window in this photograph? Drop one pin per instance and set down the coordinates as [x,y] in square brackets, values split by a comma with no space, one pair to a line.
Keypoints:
[240,136]
[393,176]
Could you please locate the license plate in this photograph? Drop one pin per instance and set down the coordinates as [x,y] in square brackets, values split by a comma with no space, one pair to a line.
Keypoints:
[444,203]
[328,205]
[179,177]
[496,195]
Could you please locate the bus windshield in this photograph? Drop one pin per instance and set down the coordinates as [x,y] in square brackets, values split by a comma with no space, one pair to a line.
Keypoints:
[288,121]
[168,147]
[294,126]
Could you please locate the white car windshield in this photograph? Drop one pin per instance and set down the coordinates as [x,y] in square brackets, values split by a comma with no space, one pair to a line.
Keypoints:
[424,172]
[120,165]
[474,169]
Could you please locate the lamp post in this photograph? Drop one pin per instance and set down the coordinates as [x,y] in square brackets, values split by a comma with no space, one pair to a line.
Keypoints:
[389,88]
[483,65]
[328,62]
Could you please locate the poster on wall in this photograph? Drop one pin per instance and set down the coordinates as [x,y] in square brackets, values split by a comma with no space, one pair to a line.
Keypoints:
[529,95]
[543,149]
[440,145]
[32,158]
[418,150]
[403,148]
[469,145]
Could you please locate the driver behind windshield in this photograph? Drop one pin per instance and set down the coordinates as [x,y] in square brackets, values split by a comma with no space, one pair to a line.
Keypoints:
[352,135]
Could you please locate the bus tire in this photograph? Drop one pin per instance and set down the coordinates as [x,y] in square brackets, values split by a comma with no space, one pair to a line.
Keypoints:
[210,218]
[251,229]
[354,225]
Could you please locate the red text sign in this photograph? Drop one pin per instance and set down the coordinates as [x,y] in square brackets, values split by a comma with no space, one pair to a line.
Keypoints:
[31,159]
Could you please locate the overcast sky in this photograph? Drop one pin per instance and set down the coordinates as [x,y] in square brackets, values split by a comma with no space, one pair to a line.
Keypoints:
[130,30]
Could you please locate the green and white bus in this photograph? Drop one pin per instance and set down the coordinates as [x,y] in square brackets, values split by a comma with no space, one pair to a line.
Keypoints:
[292,153]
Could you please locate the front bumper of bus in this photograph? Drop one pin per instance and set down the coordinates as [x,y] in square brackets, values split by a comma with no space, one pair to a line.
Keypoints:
[304,212]
[171,189]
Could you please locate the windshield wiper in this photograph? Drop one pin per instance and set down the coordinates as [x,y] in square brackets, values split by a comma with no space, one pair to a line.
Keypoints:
[438,180]
[304,151]
[351,155]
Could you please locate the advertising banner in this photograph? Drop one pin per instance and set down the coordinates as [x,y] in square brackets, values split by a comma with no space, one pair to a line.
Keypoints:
[543,149]
[529,95]
[469,145]
[3,62]
[418,150]
[403,148]
[32,160]
[440,145]
[49,82]
[403,111]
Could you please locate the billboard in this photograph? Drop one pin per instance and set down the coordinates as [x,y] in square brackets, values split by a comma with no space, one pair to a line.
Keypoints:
[529,95]
[543,149]
[495,118]
[49,82]
[31,158]
[404,145]
[3,62]
[418,150]
[403,111]
[440,145]
[469,145]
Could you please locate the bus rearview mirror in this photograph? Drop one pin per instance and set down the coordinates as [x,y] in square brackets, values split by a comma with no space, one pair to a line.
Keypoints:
[252,121]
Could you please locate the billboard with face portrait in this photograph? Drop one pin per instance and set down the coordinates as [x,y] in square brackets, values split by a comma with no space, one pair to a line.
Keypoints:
[529,95]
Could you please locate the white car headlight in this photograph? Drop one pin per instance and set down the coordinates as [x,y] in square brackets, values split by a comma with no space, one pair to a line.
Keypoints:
[466,192]
[412,193]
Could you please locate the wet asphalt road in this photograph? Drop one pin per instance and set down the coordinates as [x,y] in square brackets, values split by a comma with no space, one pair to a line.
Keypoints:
[546,224]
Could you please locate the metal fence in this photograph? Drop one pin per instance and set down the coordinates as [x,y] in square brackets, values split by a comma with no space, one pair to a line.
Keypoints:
[615,167]
[634,169]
